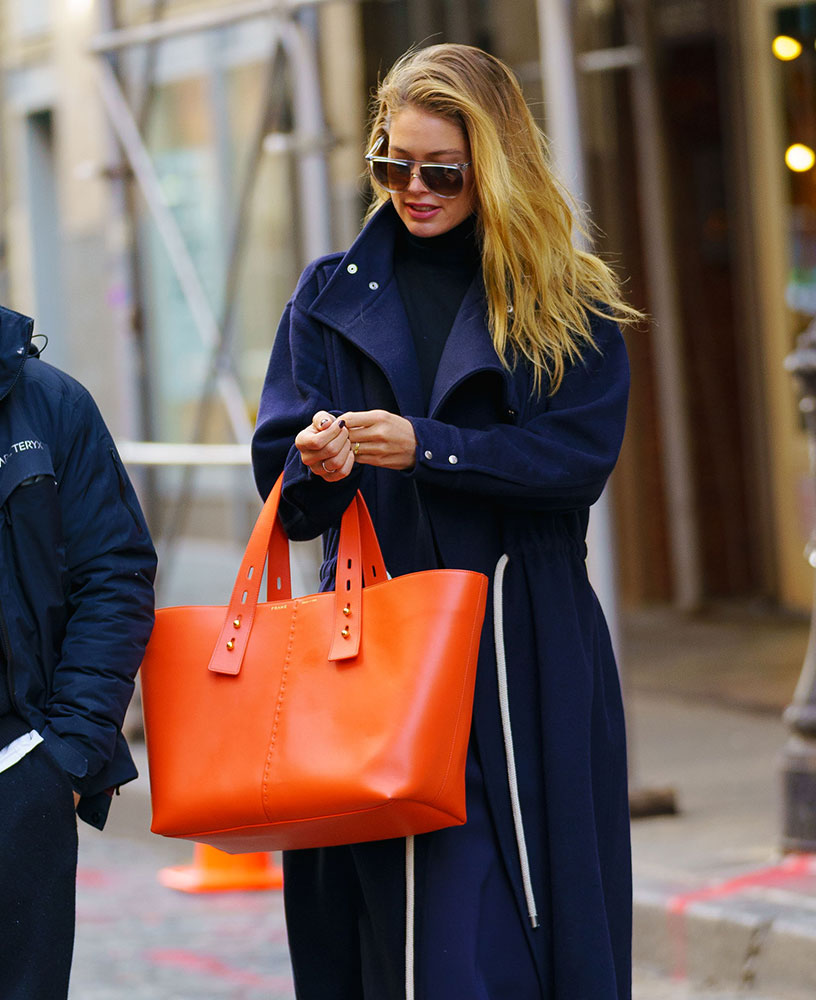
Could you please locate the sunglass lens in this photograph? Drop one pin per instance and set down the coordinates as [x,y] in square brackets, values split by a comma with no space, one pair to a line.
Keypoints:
[391,174]
[442,180]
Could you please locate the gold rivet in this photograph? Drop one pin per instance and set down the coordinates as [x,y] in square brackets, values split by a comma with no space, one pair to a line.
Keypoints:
[231,644]
[345,633]
[237,623]
[347,610]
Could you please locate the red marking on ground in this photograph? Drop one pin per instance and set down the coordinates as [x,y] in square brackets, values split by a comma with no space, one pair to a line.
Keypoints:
[207,965]
[791,868]
[92,878]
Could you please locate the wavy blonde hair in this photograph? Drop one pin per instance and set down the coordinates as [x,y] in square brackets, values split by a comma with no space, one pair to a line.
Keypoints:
[541,288]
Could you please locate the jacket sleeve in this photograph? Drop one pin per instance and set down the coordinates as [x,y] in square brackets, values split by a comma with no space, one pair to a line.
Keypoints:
[558,458]
[111,566]
[297,385]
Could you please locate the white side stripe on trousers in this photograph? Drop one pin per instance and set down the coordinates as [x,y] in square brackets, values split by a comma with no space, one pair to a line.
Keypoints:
[409,918]
[504,707]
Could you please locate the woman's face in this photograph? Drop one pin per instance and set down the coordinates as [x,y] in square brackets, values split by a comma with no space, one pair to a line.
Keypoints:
[419,135]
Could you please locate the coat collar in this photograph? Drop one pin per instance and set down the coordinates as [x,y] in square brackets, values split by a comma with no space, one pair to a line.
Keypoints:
[362,302]
[15,339]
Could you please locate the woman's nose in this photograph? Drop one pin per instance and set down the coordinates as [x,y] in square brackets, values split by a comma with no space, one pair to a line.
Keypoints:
[416,183]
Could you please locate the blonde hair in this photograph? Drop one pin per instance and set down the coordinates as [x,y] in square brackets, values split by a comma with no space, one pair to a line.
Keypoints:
[541,288]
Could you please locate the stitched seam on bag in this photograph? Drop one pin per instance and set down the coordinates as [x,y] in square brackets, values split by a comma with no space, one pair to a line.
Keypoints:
[477,628]
[279,704]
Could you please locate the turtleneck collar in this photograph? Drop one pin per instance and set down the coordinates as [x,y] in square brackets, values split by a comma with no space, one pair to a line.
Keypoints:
[457,248]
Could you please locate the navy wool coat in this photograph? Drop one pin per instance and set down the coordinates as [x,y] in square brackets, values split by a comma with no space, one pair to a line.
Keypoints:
[500,470]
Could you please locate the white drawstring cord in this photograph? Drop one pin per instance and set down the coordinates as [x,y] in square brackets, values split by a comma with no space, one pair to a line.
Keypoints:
[504,707]
[409,918]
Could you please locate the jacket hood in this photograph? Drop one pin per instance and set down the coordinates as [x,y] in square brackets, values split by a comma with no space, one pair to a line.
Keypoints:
[15,341]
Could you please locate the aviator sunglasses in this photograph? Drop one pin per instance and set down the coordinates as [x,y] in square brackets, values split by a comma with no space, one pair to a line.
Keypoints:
[443,179]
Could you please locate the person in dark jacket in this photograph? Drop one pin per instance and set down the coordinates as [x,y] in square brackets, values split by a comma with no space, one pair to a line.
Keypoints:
[462,366]
[76,610]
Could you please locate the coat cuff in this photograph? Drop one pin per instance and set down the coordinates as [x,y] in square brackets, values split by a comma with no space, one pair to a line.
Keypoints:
[68,758]
[439,450]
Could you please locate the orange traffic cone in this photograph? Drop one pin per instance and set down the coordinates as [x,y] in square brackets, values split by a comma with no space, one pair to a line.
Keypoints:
[215,871]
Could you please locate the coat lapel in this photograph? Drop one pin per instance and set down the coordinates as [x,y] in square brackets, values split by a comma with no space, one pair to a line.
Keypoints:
[468,349]
[361,301]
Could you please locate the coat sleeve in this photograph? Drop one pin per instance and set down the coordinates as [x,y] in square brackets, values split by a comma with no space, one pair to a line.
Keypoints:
[559,458]
[297,385]
[111,566]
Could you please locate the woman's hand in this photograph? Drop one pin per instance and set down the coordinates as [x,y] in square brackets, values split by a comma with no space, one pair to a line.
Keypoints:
[381,438]
[325,448]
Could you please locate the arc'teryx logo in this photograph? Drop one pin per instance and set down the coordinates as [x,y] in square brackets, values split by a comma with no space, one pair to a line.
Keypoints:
[15,449]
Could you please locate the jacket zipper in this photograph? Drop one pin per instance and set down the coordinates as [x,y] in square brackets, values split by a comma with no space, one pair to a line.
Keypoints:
[5,643]
[6,647]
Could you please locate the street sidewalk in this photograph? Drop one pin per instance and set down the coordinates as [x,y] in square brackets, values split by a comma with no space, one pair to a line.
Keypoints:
[714,901]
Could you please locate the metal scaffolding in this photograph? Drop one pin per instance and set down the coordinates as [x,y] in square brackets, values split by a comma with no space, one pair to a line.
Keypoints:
[291,92]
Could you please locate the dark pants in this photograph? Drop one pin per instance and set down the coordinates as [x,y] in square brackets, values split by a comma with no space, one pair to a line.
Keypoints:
[345,914]
[38,861]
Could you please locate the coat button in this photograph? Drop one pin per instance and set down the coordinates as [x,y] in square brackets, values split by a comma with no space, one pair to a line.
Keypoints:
[352,269]
[453,459]
[511,413]
[373,285]
[429,455]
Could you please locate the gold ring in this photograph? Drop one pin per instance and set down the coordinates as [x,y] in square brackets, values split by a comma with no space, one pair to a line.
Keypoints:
[356,448]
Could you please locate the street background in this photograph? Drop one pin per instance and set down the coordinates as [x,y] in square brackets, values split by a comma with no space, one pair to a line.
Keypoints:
[168,167]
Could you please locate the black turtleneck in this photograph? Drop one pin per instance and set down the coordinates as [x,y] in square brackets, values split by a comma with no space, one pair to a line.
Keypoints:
[433,273]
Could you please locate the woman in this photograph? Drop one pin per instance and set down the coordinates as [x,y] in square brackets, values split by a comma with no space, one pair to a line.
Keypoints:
[461,365]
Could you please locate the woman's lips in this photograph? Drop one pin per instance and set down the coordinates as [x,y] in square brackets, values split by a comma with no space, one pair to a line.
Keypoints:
[420,211]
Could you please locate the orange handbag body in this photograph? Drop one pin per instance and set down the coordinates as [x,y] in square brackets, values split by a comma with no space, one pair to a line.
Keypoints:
[330,719]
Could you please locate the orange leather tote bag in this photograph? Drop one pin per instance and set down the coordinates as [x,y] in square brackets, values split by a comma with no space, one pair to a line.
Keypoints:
[329,719]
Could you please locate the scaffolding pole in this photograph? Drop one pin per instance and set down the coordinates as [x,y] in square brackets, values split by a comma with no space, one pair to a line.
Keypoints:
[563,128]
[121,118]
[558,71]
[191,24]
[670,366]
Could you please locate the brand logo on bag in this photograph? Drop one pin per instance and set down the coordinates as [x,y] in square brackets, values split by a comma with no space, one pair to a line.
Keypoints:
[20,446]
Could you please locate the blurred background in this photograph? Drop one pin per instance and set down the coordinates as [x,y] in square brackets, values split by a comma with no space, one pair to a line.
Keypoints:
[167,168]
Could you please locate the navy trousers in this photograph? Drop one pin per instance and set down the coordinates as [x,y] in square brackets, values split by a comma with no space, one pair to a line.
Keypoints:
[345,914]
[38,861]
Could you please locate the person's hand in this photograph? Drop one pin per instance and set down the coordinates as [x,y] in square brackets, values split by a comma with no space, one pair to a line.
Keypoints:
[324,447]
[381,438]
[76,799]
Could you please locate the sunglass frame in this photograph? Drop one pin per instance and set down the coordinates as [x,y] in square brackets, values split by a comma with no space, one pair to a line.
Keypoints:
[371,158]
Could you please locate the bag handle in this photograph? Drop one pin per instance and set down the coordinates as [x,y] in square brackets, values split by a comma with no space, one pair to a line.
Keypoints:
[358,553]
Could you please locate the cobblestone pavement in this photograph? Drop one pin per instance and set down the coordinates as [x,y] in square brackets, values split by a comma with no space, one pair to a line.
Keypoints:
[137,940]
[649,987]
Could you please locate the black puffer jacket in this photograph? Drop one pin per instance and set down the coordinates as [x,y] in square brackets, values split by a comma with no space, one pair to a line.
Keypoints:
[76,572]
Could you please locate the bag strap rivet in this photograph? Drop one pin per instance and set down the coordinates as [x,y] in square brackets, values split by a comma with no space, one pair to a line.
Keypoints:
[237,622]
[347,610]
[231,644]
[345,633]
